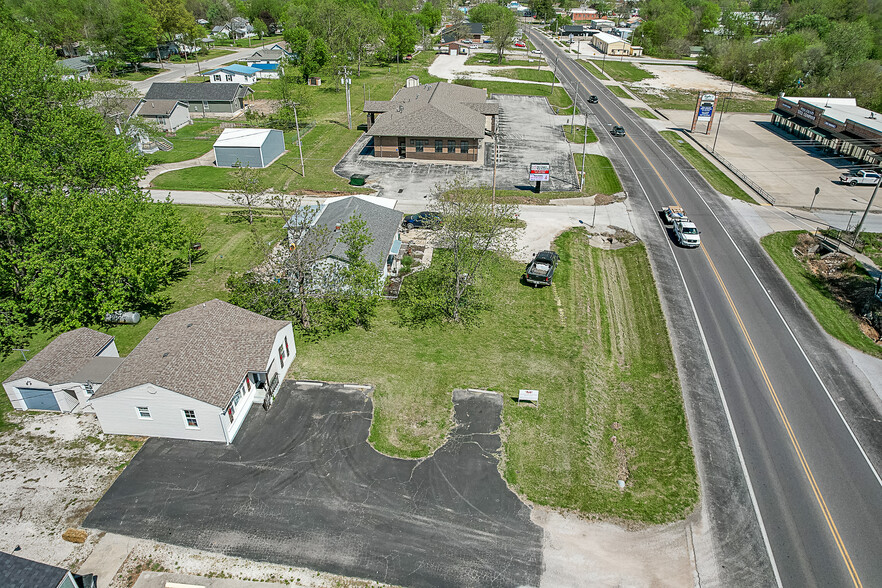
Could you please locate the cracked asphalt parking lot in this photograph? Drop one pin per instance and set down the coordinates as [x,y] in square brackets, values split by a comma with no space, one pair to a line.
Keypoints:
[301,486]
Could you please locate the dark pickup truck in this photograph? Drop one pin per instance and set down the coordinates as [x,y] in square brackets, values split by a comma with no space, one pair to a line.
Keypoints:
[540,271]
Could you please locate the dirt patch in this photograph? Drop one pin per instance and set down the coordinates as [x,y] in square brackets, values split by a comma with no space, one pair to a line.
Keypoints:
[845,280]
[263,106]
[606,199]
[577,552]
[53,469]
[683,77]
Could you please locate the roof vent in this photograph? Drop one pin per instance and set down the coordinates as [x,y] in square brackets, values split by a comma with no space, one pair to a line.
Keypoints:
[165,354]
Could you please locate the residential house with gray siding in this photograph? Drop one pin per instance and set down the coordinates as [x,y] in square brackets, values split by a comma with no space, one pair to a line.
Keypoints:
[206,99]
[168,115]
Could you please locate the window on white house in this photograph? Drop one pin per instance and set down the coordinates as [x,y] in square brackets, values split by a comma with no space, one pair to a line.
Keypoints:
[144,412]
[190,418]
[282,354]
[217,77]
[229,78]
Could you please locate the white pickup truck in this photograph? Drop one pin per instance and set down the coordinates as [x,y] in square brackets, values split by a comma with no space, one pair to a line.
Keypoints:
[854,178]
[685,231]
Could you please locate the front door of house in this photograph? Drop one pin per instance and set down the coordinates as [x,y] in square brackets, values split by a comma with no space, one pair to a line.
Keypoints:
[402,147]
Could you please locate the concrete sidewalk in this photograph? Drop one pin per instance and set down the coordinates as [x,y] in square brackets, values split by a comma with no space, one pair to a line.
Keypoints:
[160,580]
[108,557]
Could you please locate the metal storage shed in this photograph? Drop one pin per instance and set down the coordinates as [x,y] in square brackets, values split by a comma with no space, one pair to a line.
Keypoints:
[248,147]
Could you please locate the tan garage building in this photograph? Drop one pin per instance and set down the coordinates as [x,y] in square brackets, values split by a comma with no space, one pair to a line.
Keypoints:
[613,45]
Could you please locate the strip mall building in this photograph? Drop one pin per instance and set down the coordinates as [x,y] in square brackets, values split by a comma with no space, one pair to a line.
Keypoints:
[839,124]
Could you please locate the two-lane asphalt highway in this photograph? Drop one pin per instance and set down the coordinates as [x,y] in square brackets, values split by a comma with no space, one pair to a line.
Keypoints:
[816,495]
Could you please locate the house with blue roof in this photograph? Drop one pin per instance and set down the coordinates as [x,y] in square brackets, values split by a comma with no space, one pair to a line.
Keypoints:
[237,74]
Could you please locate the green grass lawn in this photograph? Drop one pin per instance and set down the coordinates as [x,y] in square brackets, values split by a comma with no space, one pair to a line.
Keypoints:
[714,176]
[623,71]
[527,75]
[323,146]
[836,320]
[252,42]
[618,91]
[578,134]
[685,100]
[600,176]
[191,141]
[143,73]
[490,59]
[599,335]
[210,54]
[595,70]
[559,98]
[644,113]
[228,247]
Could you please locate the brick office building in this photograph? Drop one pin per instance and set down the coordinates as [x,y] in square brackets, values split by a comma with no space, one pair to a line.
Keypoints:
[437,121]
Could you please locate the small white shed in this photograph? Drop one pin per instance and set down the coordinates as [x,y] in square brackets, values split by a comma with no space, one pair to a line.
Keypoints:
[248,147]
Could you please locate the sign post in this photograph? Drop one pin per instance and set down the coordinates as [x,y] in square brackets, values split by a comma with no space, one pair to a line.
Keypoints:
[704,111]
[540,172]
[529,396]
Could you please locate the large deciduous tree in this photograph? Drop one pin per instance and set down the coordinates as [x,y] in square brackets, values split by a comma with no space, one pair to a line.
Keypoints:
[78,238]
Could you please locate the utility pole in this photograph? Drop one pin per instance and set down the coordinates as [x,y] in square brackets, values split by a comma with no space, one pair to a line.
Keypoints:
[299,142]
[860,225]
[584,145]
[347,81]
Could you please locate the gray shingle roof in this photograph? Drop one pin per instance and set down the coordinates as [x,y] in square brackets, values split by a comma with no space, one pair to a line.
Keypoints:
[59,361]
[470,29]
[267,54]
[78,64]
[383,224]
[97,370]
[202,352]
[157,107]
[431,110]
[18,572]
[196,92]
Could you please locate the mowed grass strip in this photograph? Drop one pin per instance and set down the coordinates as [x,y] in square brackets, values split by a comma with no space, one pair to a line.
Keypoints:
[596,347]
[835,319]
[601,177]
[672,99]
[527,74]
[619,91]
[579,134]
[593,69]
[190,142]
[559,98]
[490,59]
[624,72]
[714,176]
[642,112]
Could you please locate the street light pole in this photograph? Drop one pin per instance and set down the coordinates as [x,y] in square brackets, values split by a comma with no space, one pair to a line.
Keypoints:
[857,230]
[299,142]
[725,102]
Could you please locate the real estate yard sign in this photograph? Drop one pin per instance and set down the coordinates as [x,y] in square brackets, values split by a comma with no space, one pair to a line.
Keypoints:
[704,111]
[540,172]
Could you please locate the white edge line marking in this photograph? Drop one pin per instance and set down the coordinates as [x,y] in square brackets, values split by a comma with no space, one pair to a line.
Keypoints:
[780,316]
[750,490]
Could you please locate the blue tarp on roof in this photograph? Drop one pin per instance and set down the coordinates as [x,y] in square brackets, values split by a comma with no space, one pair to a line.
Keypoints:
[266,66]
[239,69]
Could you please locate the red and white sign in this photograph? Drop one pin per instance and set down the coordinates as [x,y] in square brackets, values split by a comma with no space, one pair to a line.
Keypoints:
[540,172]
[528,395]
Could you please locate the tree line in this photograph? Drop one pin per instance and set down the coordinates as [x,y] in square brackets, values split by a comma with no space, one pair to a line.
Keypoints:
[801,47]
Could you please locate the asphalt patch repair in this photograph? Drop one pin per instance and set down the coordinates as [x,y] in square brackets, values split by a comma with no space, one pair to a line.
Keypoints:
[301,486]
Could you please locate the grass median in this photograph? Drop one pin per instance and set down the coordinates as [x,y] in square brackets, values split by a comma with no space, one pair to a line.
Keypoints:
[624,72]
[714,175]
[619,92]
[839,322]
[616,377]
[600,176]
[643,113]
[527,75]
[579,134]
[593,69]
[491,59]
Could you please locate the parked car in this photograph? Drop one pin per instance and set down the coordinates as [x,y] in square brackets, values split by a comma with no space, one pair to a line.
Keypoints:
[422,220]
[540,271]
[408,57]
[592,99]
[861,176]
[536,52]
[522,45]
[618,131]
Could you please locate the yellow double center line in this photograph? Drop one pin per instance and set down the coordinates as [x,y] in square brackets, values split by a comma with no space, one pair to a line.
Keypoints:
[840,544]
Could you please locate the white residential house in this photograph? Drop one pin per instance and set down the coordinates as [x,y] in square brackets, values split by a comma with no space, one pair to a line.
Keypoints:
[197,374]
[236,74]
[268,61]
[65,374]
[168,115]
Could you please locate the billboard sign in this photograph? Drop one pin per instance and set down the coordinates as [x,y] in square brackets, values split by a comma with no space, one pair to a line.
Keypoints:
[706,107]
[540,172]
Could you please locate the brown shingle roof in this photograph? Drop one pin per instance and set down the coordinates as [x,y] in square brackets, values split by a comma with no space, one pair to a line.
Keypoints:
[431,110]
[202,352]
[63,357]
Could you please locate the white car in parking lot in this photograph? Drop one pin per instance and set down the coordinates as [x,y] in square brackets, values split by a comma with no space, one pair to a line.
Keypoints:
[861,176]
